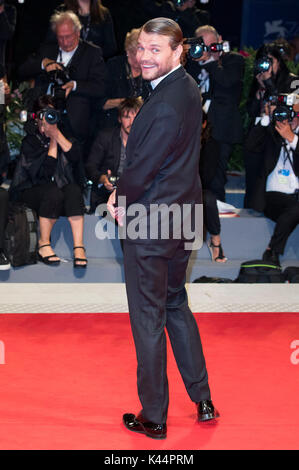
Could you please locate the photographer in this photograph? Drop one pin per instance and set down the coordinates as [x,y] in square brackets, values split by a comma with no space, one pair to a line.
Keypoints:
[4,99]
[271,77]
[219,74]
[108,153]
[8,18]
[277,185]
[124,80]
[72,69]
[4,155]
[46,179]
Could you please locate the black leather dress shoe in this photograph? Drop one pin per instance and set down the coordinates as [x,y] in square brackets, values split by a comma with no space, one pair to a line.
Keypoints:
[206,411]
[140,425]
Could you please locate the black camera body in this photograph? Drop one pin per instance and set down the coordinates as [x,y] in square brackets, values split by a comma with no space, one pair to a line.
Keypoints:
[283,113]
[262,64]
[113,180]
[284,106]
[59,78]
[198,47]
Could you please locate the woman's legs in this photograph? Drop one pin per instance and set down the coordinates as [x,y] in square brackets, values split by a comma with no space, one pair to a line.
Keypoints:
[45,250]
[77,225]
[74,210]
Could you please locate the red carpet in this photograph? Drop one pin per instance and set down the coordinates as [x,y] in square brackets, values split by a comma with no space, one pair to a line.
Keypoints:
[67,380]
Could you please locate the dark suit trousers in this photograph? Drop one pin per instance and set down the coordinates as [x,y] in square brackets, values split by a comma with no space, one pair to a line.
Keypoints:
[3,215]
[155,283]
[284,210]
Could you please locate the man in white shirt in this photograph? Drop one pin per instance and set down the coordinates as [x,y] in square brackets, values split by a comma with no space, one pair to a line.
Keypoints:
[282,186]
[85,67]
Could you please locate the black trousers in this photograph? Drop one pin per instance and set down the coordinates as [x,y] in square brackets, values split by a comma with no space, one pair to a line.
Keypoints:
[211,213]
[284,210]
[253,162]
[3,215]
[217,185]
[155,283]
[51,202]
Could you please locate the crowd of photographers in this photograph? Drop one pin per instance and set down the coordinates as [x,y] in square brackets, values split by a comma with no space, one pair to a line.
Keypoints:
[83,100]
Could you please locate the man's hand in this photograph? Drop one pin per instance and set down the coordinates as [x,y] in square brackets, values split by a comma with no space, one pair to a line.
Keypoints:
[2,8]
[285,130]
[49,65]
[50,130]
[68,88]
[116,213]
[261,77]
[104,179]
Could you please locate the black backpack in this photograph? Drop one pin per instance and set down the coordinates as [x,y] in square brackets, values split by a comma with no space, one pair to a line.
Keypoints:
[291,274]
[259,271]
[21,238]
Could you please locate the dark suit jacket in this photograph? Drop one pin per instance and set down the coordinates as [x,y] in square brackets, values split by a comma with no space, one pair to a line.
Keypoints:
[7,27]
[226,78]
[164,145]
[267,142]
[104,154]
[87,68]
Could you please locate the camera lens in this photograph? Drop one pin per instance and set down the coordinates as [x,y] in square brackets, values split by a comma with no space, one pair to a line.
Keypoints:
[196,51]
[51,117]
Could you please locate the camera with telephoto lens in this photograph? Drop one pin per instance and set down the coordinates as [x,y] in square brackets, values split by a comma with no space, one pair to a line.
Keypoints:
[262,64]
[284,103]
[113,180]
[59,78]
[51,115]
[284,99]
[198,47]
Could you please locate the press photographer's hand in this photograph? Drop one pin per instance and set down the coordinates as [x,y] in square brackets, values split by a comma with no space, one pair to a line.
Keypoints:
[105,181]
[50,130]
[261,77]
[68,87]
[285,130]
[49,65]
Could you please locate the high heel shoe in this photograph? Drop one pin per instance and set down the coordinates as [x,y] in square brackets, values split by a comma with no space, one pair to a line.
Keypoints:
[78,261]
[220,258]
[47,259]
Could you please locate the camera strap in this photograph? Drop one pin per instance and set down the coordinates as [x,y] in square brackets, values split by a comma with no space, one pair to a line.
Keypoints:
[85,29]
[287,155]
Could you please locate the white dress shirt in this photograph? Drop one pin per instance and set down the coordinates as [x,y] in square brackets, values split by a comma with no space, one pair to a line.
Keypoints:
[283,179]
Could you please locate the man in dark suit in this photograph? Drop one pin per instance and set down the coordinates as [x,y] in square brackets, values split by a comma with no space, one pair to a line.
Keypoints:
[85,67]
[162,168]
[108,153]
[219,76]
